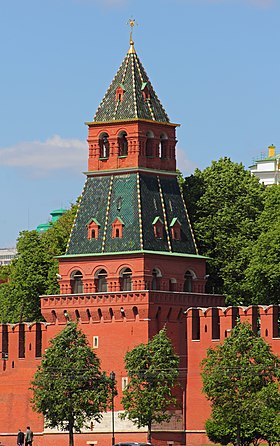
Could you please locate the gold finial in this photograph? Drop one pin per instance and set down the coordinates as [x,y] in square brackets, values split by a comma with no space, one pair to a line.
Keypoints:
[131,23]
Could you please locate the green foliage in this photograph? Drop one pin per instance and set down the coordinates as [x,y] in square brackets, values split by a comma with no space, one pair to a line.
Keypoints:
[241,380]
[69,387]
[263,272]
[33,271]
[152,370]
[224,202]
[5,271]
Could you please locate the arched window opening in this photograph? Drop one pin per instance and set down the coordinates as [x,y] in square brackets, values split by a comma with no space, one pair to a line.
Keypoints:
[126,280]
[102,281]
[104,145]
[163,146]
[123,144]
[122,312]
[188,282]
[77,314]
[111,313]
[135,312]
[155,279]
[54,318]
[117,228]
[172,284]
[145,91]
[119,93]
[77,282]
[99,314]
[158,228]
[93,233]
[175,226]
[150,144]
[88,314]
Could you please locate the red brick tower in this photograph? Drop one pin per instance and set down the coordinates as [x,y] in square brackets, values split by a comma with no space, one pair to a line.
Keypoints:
[131,265]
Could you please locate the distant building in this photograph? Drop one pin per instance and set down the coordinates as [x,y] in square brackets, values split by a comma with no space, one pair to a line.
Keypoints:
[6,255]
[55,216]
[267,169]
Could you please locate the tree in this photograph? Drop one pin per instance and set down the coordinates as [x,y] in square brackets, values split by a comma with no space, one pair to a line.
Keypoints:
[224,202]
[33,271]
[152,370]
[262,275]
[241,379]
[69,387]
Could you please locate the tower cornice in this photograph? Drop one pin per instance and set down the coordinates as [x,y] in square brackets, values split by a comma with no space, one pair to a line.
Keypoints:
[119,171]
[122,121]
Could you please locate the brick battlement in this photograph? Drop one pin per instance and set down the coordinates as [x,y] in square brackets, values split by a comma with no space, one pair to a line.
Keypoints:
[105,307]
[212,324]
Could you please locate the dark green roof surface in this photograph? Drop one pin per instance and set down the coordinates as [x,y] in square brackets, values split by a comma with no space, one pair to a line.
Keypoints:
[136,199]
[132,78]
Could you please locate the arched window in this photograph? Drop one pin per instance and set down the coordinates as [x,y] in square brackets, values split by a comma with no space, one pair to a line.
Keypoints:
[77,282]
[150,144]
[135,312]
[188,281]
[163,146]
[123,144]
[172,284]
[126,280]
[156,274]
[102,281]
[104,145]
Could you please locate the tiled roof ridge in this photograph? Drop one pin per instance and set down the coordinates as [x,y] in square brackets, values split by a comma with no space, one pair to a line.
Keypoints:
[133,86]
[139,211]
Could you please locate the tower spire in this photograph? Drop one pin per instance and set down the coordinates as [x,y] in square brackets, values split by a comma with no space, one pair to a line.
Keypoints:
[131,23]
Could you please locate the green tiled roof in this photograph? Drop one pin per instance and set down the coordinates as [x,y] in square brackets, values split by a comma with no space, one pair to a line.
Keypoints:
[133,79]
[106,198]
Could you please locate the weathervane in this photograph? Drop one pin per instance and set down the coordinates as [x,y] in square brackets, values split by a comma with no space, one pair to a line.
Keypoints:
[131,23]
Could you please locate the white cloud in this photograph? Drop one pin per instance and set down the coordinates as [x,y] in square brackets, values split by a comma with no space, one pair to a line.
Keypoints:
[52,154]
[185,165]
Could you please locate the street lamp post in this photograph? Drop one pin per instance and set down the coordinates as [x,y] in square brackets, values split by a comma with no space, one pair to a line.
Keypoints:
[113,382]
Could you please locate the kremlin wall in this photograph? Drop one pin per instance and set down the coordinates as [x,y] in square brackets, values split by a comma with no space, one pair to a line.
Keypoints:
[131,268]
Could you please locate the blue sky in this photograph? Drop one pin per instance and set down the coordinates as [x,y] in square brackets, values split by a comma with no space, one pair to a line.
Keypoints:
[213,63]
